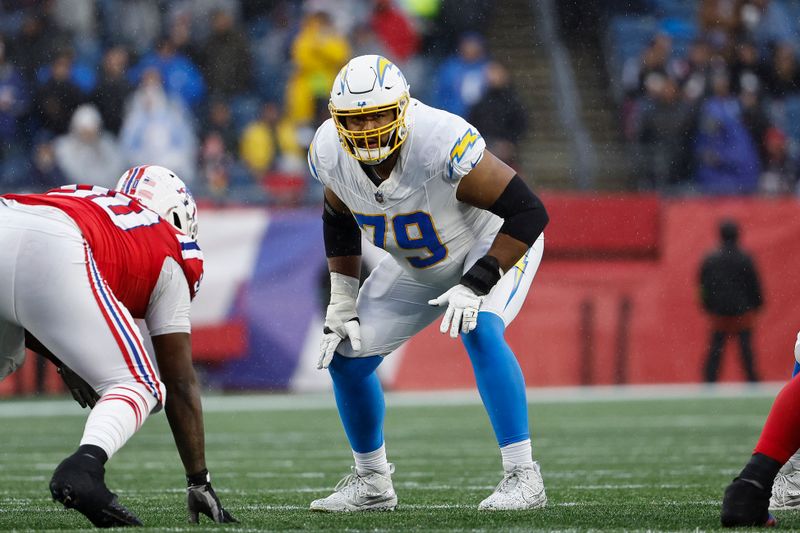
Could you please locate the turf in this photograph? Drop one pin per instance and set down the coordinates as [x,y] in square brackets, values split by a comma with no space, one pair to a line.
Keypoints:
[657,464]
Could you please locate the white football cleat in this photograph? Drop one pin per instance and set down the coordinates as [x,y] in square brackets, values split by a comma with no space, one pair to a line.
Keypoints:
[786,490]
[522,488]
[369,492]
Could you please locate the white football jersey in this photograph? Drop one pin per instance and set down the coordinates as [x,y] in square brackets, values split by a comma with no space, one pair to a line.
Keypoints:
[414,215]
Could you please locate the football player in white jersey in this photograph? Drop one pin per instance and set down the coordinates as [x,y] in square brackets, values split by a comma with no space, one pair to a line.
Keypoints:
[464,237]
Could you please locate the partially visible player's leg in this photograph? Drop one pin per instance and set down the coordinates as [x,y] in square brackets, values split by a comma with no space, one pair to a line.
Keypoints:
[786,488]
[502,387]
[386,295]
[84,325]
[747,499]
[359,398]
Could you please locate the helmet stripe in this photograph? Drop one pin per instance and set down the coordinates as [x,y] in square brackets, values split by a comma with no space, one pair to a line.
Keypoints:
[127,182]
[134,181]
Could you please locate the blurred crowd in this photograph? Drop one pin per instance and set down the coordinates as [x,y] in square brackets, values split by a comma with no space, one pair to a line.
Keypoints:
[720,115]
[227,93]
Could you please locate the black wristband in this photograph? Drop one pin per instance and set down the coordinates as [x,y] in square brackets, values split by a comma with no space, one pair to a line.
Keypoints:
[200,478]
[483,275]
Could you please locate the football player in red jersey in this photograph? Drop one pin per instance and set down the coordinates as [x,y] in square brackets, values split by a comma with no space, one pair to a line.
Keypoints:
[80,263]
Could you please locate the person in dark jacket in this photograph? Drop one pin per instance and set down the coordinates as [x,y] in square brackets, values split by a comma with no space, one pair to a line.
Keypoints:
[499,115]
[731,294]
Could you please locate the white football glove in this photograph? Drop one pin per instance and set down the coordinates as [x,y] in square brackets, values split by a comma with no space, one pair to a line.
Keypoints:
[797,348]
[462,310]
[341,319]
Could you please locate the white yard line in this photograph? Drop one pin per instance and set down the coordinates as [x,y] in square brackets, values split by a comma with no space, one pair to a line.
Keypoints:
[12,408]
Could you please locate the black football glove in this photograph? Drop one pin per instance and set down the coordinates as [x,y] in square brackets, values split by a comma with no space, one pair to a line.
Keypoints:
[201,498]
[82,392]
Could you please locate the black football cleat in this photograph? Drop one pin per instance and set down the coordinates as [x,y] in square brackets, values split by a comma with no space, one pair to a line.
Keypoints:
[78,483]
[746,504]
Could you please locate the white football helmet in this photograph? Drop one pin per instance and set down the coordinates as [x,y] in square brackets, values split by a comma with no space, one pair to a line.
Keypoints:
[161,190]
[365,85]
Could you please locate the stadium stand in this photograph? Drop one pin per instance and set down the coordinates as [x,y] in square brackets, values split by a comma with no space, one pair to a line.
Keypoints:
[180,82]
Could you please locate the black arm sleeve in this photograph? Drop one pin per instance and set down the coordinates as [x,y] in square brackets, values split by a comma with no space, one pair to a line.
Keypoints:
[340,233]
[524,214]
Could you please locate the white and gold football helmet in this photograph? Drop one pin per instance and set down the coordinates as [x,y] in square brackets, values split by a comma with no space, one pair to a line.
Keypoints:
[366,85]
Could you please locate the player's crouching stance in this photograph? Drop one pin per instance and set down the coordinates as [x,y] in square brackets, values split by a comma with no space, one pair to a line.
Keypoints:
[771,479]
[79,264]
[463,232]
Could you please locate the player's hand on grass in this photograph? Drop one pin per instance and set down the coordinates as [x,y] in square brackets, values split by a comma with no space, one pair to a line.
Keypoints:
[462,310]
[341,318]
[201,499]
[82,392]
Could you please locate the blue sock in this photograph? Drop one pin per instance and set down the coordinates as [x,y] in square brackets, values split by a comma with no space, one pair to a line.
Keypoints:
[499,379]
[796,369]
[359,398]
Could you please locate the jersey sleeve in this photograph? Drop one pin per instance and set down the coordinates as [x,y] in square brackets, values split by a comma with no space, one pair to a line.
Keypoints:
[323,151]
[169,305]
[465,149]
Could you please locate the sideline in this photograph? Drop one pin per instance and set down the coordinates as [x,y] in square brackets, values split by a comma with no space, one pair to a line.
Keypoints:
[221,403]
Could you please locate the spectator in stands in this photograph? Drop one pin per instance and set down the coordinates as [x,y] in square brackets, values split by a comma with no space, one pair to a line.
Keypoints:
[56,100]
[44,174]
[664,127]
[133,23]
[782,78]
[499,115]
[746,68]
[87,154]
[727,156]
[38,42]
[14,102]
[343,14]
[318,52]
[781,172]
[718,20]
[753,116]
[267,142]
[183,38]
[226,57]
[271,51]
[180,75]
[461,79]
[731,294]
[220,121]
[654,59]
[693,73]
[76,17]
[216,166]
[395,30]
[158,129]
[766,22]
[113,89]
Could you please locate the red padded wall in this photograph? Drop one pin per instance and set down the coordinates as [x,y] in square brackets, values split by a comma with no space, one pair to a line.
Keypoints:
[668,330]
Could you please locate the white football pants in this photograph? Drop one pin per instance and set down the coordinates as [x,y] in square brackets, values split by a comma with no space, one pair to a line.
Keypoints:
[51,286]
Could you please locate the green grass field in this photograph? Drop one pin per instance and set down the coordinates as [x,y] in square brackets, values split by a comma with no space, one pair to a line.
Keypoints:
[634,464]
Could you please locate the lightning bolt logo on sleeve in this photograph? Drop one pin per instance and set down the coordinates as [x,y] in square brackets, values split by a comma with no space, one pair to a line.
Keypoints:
[461,147]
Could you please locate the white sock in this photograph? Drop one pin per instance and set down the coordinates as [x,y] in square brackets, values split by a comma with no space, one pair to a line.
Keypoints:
[372,461]
[518,454]
[119,413]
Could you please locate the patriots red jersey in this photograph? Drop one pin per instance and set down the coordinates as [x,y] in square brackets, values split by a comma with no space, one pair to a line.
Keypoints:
[128,241]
